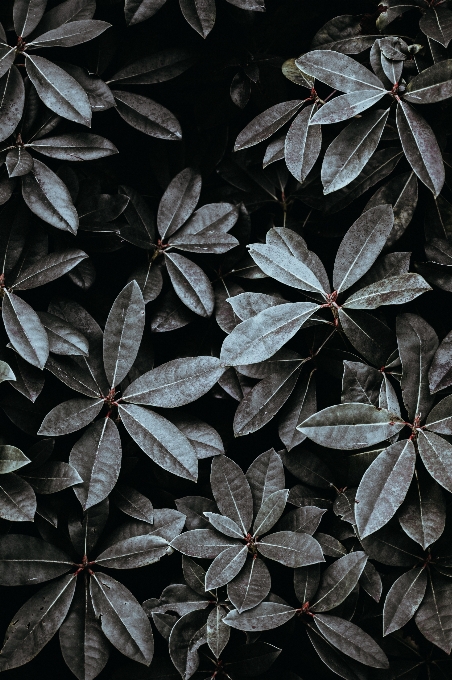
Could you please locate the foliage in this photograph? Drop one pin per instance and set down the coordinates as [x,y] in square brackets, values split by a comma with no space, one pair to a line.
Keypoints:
[226,357]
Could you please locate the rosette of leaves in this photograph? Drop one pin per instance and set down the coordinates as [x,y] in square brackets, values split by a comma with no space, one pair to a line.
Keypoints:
[348,154]
[98,376]
[189,617]
[269,322]
[180,228]
[88,607]
[435,22]
[66,25]
[342,645]
[238,544]
[200,17]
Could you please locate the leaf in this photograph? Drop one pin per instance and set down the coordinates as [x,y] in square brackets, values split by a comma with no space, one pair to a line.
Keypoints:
[200,14]
[338,71]
[224,524]
[265,616]
[440,375]
[160,440]
[304,520]
[12,99]
[217,632]
[175,383]
[133,503]
[250,586]
[25,331]
[350,426]
[69,10]
[232,492]
[156,68]
[395,290]
[423,514]
[347,155]
[146,115]
[285,268]
[191,284]
[7,56]
[246,305]
[301,404]
[194,507]
[123,333]
[346,106]
[436,454]
[361,383]
[205,440]
[83,645]
[122,619]
[27,15]
[97,458]
[420,147]
[53,476]
[272,327]
[11,458]
[140,10]
[402,193]
[291,549]
[392,547]
[70,34]
[370,336]
[384,486]
[436,23]
[403,599]
[333,659]
[351,640]
[226,566]
[18,162]
[342,34]
[431,85]
[49,198]
[266,124]
[70,416]
[59,91]
[433,616]
[265,475]
[187,635]
[308,467]
[204,543]
[417,343]
[48,268]
[178,202]
[133,552]
[79,146]
[25,560]
[17,499]
[36,622]
[338,581]
[270,511]
[302,144]
[139,217]
[370,581]
[63,337]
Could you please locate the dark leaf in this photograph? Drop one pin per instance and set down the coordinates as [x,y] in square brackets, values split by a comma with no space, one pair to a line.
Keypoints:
[191,284]
[265,616]
[251,586]
[200,15]
[146,115]
[433,616]
[25,331]
[266,124]
[403,599]
[338,581]
[302,144]
[49,198]
[351,640]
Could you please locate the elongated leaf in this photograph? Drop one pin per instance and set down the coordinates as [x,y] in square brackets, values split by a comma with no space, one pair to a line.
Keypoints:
[156,68]
[361,246]
[187,635]
[75,147]
[25,331]
[191,284]
[146,115]
[260,337]
[226,566]
[350,426]
[351,640]
[205,440]
[200,14]
[423,515]
[265,616]
[417,343]
[395,290]
[384,486]
[134,552]
[7,56]
[266,124]
[349,152]
[338,581]
[347,106]
[97,458]
[133,503]
[436,454]
[17,499]
[49,198]
[70,416]
[224,524]
[178,202]
[160,440]
[420,147]
[70,34]
[370,336]
[11,458]
[48,269]
[285,268]
[433,616]
[140,10]
[302,144]
[402,193]
[122,619]
[36,622]
[53,476]
[65,12]
[250,586]
[431,85]
[338,71]
[436,23]
[12,99]
[204,543]
[440,373]
[27,15]
[175,383]
[403,599]
[232,492]
[25,560]
[270,512]
[265,476]
[123,332]
[217,632]
[291,548]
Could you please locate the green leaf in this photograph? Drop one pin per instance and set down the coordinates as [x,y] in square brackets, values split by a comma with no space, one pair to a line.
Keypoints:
[11,458]
[146,115]
[347,155]
[291,549]
[25,331]
[338,581]
[59,91]
[175,383]
[338,71]
[191,284]
[433,616]
[36,622]
[267,123]
[350,426]
[70,416]
[351,640]
[403,599]
[123,332]
[160,440]
[420,147]
[122,619]
[263,335]
[49,198]
[250,586]
[232,492]
[384,486]
[302,144]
